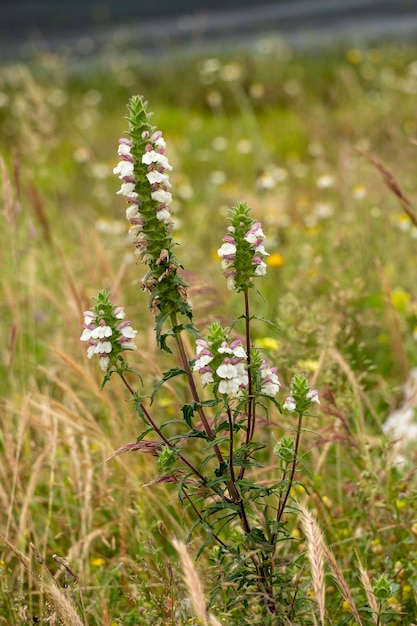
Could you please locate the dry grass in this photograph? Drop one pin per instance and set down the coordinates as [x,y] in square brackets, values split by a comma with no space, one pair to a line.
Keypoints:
[316,556]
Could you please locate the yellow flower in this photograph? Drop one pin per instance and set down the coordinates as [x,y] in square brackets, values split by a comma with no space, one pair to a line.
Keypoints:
[275,260]
[400,504]
[97,561]
[346,607]
[327,502]
[354,56]
[400,300]
[268,343]
[309,365]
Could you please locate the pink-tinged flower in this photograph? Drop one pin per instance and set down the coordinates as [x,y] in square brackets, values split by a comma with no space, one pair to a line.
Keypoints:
[125,147]
[237,349]
[206,375]
[201,345]
[126,329]
[254,234]
[224,348]
[289,404]
[119,312]
[313,396]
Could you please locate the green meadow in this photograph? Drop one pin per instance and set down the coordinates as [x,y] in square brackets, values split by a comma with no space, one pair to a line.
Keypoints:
[323,148]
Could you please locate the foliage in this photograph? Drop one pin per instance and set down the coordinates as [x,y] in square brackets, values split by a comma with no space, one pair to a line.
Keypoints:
[339,284]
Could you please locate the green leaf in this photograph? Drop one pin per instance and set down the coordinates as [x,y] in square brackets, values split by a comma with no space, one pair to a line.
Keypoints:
[176,371]
[143,435]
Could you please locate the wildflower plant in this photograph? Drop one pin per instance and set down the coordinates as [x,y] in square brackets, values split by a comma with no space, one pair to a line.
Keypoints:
[209,452]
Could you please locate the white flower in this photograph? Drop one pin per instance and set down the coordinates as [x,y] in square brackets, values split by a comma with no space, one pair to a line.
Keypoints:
[224,348]
[226,370]
[156,177]
[134,231]
[260,269]
[261,250]
[101,331]
[201,345]
[163,215]
[104,362]
[129,345]
[103,347]
[204,360]
[151,156]
[124,168]
[89,317]
[119,312]
[229,385]
[91,350]
[86,334]
[132,211]
[271,389]
[230,283]
[313,396]
[251,238]
[239,352]
[124,149]
[289,404]
[127,189]
[206,378]
[162,196]
[227,249]
[129,332]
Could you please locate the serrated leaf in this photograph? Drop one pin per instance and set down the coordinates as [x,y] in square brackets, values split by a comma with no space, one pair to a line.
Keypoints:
[175,371]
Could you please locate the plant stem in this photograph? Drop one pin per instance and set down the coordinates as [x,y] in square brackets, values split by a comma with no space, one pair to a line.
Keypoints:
[161,434]
[197,512]
[251,412]
[186,366]
[231,437]
[283,502]
[251,400]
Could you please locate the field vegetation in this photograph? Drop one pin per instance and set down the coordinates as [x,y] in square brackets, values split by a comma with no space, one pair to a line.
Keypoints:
[324,150]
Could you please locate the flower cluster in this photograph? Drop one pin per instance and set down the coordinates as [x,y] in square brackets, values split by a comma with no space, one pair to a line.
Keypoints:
[104,331]
[154,165]
[223,362]
[144,170]
[242,251]
[224,366]
[291,403]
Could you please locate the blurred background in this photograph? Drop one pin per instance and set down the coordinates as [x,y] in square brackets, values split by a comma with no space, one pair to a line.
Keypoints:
[87,26]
